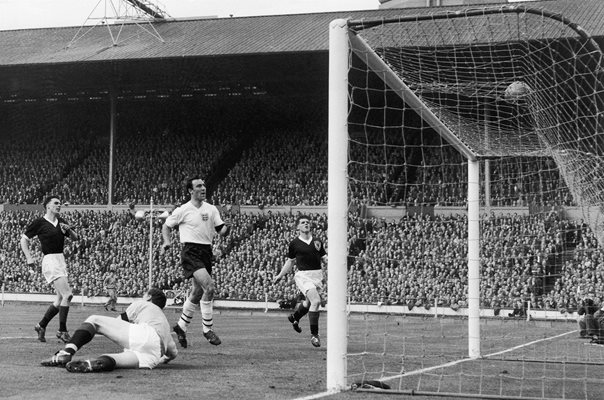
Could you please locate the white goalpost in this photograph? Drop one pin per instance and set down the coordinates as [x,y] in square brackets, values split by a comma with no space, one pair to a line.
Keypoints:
[338,202]
[337,192]
[477,137]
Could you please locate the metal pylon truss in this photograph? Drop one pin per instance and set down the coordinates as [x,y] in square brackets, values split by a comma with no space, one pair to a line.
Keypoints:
[115,14]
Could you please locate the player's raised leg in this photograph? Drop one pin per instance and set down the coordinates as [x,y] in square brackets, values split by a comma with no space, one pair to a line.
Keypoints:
[300,311]
[188,312]
[203,282]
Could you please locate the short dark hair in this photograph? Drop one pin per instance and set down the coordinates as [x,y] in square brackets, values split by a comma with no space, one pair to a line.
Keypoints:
[158,297]
[48,199]
[189,185]
[301,217]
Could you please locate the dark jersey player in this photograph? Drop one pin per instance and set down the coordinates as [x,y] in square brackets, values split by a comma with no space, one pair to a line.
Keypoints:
[51,230]
[308,254]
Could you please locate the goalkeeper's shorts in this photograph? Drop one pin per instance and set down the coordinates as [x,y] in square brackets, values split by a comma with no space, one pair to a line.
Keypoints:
[146,344]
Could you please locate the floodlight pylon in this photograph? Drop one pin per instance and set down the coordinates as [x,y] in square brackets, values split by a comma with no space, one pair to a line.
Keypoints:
[116,14]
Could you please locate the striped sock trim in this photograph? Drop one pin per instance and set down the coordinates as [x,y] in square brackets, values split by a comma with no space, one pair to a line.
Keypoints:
[208,324]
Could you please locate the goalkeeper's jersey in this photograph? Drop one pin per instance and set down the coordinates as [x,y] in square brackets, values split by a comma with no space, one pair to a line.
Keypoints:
[145,312]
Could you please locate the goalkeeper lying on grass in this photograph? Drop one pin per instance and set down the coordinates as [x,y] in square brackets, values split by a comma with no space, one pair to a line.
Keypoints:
[142,330]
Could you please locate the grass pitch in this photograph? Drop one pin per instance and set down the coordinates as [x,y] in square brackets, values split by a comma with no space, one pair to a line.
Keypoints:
[261,357]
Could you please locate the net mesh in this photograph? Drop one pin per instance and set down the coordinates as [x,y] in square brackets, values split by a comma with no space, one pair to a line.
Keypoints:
[519,90]
[507,82]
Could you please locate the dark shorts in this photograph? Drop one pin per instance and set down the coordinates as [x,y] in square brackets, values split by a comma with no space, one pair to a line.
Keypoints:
[195,256]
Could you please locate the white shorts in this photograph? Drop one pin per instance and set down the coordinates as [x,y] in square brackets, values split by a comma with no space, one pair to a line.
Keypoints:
[54,267]
[146,344]
[307,280]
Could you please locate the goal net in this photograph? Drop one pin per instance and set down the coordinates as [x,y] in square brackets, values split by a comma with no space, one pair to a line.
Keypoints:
[465,204]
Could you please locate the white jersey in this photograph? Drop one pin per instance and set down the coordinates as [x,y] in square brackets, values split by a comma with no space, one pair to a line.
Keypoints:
[196,225]
[145,312]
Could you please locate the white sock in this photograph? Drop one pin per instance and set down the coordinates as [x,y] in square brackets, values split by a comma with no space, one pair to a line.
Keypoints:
[207,315]
[188,311]
[71,346]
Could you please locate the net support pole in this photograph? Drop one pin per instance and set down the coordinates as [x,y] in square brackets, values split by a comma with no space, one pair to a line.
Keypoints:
[473,259]
[337,204]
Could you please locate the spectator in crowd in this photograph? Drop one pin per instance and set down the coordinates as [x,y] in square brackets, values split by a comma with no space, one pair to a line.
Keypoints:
[110,285]
[587,322]
[519,309]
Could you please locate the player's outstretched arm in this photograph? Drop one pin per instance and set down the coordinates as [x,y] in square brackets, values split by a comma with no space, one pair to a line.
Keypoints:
[165,233]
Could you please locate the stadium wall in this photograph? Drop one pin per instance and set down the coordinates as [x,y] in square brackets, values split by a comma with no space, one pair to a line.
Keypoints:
[226,305]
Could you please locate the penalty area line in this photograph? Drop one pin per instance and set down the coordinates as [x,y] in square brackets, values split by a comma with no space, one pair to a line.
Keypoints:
[318,395]
[16,337]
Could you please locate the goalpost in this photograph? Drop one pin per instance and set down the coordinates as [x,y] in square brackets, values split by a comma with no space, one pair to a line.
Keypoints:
[418,105]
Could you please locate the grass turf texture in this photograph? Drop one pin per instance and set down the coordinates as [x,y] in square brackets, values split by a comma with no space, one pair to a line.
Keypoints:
[261,357]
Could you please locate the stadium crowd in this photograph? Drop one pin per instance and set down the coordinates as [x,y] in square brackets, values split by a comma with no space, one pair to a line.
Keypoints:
[271,167]
[416,261]
[540,259]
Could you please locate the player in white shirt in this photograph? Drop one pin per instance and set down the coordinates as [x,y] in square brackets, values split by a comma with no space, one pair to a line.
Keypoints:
[198,223]
[142,330]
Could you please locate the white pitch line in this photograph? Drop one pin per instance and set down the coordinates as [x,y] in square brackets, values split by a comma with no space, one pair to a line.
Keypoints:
[450,364]
[317,395]
[529,343]
[16,337]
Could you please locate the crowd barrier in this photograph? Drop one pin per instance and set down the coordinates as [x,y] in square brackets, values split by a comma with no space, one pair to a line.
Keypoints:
[436,311]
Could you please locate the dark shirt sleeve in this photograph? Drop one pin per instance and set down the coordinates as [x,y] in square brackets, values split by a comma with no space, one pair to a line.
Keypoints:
[33,229]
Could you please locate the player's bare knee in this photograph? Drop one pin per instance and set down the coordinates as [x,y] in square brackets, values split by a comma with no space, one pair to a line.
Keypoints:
[66,298]
[314,305]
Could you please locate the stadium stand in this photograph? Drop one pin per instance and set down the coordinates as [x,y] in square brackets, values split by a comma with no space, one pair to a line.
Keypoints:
[247,260]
